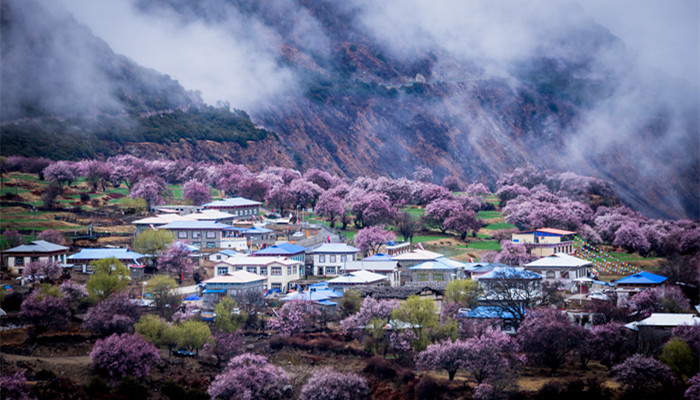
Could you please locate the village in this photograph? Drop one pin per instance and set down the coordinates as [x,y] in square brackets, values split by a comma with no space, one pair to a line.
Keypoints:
[481,288]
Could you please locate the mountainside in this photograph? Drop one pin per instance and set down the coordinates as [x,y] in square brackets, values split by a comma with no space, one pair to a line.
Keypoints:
[373,99]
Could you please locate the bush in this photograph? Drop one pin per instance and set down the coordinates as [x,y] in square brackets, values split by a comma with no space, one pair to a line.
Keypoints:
[120,355]
[381,368]
[131,389]
[429,389]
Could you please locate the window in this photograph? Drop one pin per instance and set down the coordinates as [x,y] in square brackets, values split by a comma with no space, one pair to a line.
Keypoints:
[550,274]
[196,235]
[276,271]
[211,245]
[321,258]
[289,270]
[218,257]
[332,258]
[211,234]
[277,286]
[195,244]
[33,259]
[263,270]
[343,258]
[438,277]
[422,276]
[330,270]
[221,270]
[295,269]
[19,260]
[252,270]
[239,268]
[182,235]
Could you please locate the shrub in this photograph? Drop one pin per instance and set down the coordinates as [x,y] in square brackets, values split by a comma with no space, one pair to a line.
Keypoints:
[250,377]
[120,355]
[380,368]
[329,384]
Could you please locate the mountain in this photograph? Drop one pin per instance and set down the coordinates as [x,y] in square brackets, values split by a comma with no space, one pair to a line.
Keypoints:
[379,94]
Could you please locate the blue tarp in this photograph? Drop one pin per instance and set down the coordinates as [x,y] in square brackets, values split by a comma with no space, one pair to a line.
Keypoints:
[193,297]
[207,291]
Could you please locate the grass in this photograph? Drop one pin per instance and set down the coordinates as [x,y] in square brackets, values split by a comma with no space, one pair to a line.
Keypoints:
[415,212]
[428,238]
[486,245]
[630,257]
[483,236]
[489,214]
[499,226]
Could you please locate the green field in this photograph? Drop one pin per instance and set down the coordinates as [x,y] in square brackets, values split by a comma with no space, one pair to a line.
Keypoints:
[487,245]
[489,214]
[631,257]
[416,212]
[499,226]
[428,238]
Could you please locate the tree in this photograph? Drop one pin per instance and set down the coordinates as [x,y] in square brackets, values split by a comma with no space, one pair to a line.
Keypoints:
[96,173]
[53,236]
[330,207]
[304,192]
[165,300]
[253,188]
[151,241]
[116,314]
[693,391]
[295,316]
[369,310]
[452,183]
[512,253]
[250,377]
[492,357]
[406,225]
[350,303]
[110,276]
[120,355]
[438,211]
[226,345]
[463,222]
[192,335]
[14,387]
[151,189]
[12,238]
[690,334]
[153,329]
[679,357]
[631,237]
[176,260]
[514,291]
[548,336]
[477,188]
[465,292]
[610,343]
[61,173]
[196,193]
[642,374]
[75,294]
[420,314]
[46,271]
[279,197]
[372,238]
[45,308]
[446,355]
[371,209]
[329,384]
[423,174]
[321,178]
[228,316]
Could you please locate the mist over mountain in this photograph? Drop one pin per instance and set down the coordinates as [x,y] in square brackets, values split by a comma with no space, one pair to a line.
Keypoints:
[376,88]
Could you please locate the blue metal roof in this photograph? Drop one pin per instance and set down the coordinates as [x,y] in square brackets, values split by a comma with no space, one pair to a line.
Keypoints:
[257,229]
[280,249]
[487,312]
[37,246]
[99,254]
[317,295]
[642,278]
[207,291]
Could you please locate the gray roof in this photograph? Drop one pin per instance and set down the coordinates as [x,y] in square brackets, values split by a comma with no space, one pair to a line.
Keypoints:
[399,292]
[231,202]
[37,246]
[335,248]
[558,260]
[195,225]
[99,254]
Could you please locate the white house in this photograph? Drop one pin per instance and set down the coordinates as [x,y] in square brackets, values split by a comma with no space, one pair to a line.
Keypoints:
[224,255]
[332,258]
[383,267]
[39,250]
[278,271]
[560,267]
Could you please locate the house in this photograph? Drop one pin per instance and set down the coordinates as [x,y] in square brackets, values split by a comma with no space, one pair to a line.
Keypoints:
[179,209]
[279,271]
[378,265]
[512,290]
[394,249]
[239,207]
[198,233]
[39,250]
[664,322]
[231,284]
[493,316]
[415,257]
[430,290]
[546,241]
[331,258]
[156,221]
[288,250]
[636,283]
[224,255]
[319,292]
[356,278]
[560,267]
[212,215]
[442,269]
[84,257]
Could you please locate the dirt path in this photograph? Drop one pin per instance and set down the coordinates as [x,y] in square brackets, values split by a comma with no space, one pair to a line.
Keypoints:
[74,367]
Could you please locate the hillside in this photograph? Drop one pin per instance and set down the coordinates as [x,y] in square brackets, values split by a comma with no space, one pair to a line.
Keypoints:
[369,106]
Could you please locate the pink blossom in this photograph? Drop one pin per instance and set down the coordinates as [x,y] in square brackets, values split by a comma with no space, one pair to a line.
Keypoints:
[372,238]
[295,316]
[250,377]
[329,384]
[120,355]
